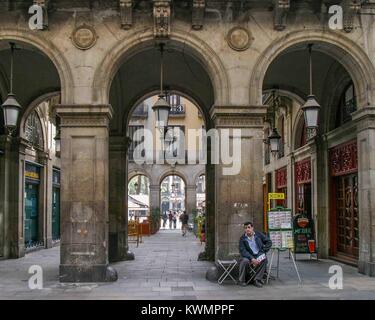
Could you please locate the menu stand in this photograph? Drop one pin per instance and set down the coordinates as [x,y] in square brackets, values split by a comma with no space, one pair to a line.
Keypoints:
[280,230]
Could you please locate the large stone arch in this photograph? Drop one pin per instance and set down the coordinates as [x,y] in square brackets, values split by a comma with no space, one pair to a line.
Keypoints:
[170,172]
[336,45]
[198,103]
[143,39]
[137,172]
[52,52]
[27,111]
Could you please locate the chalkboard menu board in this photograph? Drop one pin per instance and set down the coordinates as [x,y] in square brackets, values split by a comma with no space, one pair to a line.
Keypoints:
[280,228]
[303,234]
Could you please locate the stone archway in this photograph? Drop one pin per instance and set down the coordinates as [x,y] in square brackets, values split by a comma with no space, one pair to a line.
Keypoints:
[144,51]
[35,54]
[350,55]
[52,52]
[144,39]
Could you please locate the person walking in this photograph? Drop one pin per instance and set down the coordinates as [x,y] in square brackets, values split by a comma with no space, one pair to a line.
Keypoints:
[184,218]
[170,218]
[165,218]
[174,218]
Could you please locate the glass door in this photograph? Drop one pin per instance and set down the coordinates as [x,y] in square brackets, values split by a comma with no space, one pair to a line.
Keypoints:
[31,214]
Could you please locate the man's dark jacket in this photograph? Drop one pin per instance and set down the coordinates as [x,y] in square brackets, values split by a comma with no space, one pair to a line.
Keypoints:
[263,242]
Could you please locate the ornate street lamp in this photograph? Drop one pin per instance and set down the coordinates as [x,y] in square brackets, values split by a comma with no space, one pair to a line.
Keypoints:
[161,107]
[11,107]
[311,108]
[58,142]
[274,138]
[274,141]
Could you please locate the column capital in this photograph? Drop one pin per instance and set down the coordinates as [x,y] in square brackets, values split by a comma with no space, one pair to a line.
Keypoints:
[365,118]
[238,116]
[84,115]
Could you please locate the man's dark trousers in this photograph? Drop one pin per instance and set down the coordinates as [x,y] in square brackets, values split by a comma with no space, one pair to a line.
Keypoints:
[244,269]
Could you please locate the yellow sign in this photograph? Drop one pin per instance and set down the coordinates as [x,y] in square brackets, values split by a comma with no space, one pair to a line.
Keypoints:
[276,196]
[33,175]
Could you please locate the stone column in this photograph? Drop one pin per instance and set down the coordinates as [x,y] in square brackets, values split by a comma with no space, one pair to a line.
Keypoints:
[366,181]
[239,197]
[12,196]
[46,195]
[320,194]
[155,197]
[118,199]
[84,193]
[191,200]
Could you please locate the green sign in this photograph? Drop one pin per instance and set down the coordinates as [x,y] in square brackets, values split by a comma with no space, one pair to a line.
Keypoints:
[303,234]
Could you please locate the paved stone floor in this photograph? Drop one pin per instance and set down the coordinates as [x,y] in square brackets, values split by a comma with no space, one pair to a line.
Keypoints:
[166,267]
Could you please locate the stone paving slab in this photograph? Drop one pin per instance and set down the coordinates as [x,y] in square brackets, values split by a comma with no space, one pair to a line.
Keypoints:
[166,268]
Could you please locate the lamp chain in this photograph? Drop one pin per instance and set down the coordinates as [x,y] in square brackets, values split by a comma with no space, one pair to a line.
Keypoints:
[12,45]
[310,58]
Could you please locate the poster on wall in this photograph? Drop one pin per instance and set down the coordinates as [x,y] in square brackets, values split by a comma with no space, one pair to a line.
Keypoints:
[303,234]
[280,228]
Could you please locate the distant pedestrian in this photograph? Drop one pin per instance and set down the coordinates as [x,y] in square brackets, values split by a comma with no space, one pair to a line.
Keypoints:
[174,218]
[170,218]
[184,218]
[165,218]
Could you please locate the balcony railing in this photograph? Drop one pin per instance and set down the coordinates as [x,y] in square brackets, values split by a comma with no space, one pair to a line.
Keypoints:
[177,110]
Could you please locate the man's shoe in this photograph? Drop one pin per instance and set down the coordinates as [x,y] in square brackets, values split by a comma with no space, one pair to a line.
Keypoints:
[258,284]
[242,284]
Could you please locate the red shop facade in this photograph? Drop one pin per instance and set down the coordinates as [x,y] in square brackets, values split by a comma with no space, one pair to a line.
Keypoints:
[282,185]
[303,187]
[344,218]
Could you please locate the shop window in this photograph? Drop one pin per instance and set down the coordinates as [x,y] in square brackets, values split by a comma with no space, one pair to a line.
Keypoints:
[33,130]
[347,106]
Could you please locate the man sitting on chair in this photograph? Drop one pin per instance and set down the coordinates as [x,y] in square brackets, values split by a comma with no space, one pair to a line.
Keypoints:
[253,247]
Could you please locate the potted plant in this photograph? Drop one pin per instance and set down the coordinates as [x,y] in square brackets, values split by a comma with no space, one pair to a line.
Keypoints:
[155,220]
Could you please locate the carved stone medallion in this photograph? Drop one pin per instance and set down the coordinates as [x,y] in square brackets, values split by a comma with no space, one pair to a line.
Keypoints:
[84,37]
[239,38]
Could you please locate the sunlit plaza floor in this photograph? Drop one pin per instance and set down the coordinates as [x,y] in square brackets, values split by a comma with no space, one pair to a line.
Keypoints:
[166,267]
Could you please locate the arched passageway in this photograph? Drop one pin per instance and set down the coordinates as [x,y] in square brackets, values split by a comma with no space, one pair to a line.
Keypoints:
[30,213]
[320,170]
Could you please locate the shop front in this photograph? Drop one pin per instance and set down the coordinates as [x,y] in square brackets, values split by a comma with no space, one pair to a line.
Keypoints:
[303,195]
[33,222]
[56,206]
[344,219]
[282,186]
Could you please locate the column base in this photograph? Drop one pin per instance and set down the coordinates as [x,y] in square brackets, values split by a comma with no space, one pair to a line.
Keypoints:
[17,251]
[367,268]
[95,273]
[49,243]
[117,249]
[129,256]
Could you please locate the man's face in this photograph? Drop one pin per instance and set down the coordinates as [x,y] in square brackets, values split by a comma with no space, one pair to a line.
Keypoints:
[249,230]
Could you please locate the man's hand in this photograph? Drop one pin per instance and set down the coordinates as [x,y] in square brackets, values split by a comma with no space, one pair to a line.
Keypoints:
[254,262]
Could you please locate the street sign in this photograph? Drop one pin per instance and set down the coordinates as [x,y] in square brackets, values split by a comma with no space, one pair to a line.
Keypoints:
[276,196]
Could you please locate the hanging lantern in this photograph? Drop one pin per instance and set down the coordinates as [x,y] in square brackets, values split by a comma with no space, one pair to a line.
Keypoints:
[11,107]
[311,112]
[274,141]
[161,107]
[311,108]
